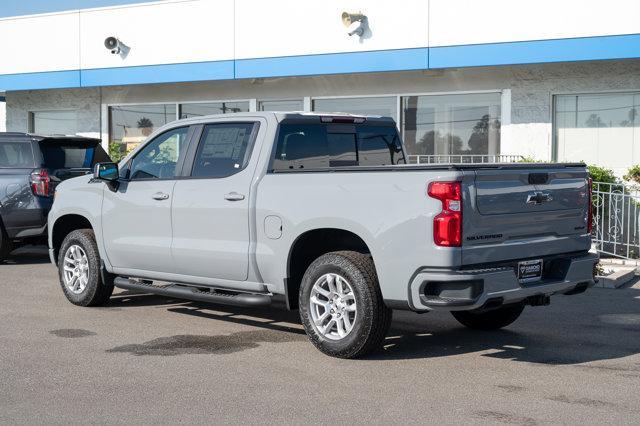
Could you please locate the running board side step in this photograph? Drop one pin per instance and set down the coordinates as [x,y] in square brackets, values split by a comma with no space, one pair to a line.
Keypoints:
[192,293]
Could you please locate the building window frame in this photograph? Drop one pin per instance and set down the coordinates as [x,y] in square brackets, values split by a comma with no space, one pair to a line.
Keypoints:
[31,115]
[250,101]
[505,100]
[106,111]
[552,110]
[260,101]
[307,102]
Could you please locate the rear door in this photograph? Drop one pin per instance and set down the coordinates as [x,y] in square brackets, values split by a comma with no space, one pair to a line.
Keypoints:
[136,222]
[519,212]
[211,206]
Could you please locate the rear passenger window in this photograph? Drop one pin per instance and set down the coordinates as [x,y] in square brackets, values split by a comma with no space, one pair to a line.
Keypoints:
[16,154]
[301,146]
[318,145]
[223,150]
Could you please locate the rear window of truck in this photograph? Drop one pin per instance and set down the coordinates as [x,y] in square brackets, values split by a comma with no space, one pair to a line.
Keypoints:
[72,155]
[322,145]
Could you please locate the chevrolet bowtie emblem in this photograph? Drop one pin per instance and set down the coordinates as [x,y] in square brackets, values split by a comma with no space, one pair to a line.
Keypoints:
[538,198]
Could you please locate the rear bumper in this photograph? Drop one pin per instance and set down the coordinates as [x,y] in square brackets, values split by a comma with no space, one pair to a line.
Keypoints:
[473,289]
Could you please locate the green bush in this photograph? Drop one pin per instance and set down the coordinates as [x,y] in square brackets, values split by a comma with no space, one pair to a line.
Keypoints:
[633,174]
[600,174]
[117,151]
[528,160]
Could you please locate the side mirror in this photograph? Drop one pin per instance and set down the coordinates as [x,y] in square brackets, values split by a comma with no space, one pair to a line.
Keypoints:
[106,171]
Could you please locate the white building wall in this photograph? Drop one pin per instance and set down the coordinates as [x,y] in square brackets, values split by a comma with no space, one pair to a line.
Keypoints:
[158,33]
[291,27]
[497,21]
[40,43]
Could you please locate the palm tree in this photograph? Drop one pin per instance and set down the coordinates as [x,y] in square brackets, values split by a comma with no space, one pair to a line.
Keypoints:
[145,125]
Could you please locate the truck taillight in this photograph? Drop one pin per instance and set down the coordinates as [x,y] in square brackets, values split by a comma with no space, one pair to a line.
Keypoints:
[590,201]
[40,182]
[447,225]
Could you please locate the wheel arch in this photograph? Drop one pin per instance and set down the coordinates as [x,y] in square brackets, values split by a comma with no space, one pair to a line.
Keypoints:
[64,225]
[312,244]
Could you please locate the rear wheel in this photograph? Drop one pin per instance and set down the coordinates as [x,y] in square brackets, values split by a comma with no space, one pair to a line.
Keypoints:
[341,306]
[5,243]
[489,320]
[79,270]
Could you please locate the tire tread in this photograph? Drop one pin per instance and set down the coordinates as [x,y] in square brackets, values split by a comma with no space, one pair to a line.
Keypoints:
[102,290]
[380,315]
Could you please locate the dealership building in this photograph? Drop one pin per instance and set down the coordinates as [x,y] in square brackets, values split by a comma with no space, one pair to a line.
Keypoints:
[464,79]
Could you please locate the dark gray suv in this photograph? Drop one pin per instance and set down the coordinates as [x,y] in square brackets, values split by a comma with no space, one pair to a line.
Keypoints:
[30,168]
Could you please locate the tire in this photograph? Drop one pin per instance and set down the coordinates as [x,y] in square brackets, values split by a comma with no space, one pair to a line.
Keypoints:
[370,319]
[489,320]
[5,243]
[95,292]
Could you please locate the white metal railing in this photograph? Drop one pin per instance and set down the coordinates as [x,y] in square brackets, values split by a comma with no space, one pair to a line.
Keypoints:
[616,219]
[463,158]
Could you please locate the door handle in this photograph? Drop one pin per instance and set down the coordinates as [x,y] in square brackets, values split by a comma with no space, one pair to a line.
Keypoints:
[160,196]
[233,196]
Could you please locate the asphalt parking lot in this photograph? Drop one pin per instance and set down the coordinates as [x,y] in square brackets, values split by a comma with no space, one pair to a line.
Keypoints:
[146,359]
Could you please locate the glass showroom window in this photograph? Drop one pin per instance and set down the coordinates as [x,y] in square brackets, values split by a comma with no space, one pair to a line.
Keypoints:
[444,125]
[61,122]
[385,106]
[132,124]
[599,129]
[211,108]
[293,105]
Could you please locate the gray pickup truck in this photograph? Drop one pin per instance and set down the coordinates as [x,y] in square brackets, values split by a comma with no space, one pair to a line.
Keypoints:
[318,212]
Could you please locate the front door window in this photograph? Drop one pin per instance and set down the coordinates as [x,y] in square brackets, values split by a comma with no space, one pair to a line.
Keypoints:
[158,159]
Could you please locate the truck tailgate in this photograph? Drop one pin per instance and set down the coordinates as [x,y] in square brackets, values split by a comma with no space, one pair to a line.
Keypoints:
[513,213]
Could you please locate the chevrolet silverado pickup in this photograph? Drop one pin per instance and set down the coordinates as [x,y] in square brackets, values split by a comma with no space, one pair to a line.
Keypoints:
[320,213]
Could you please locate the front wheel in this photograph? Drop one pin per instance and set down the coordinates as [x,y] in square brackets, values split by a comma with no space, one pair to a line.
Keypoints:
[79,270]
[341,306]
[489,320]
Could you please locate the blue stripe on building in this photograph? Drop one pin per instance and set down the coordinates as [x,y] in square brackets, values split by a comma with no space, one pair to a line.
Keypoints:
[40,80]
[149,74]
[525,52]
[334,63]
[540,51]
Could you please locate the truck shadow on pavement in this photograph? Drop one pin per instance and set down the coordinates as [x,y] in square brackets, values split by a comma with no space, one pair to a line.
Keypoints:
[28,255]
[598,325]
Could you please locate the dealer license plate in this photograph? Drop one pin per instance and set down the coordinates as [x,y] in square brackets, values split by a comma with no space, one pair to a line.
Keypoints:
[530,270]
